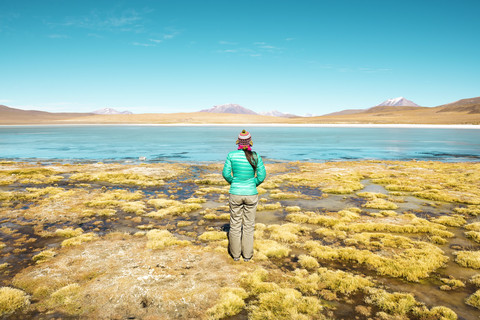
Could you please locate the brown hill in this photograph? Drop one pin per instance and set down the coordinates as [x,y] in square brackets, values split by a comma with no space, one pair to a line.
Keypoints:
[416,116]
[17,116]
[176,118]
[346,111]
[470,106]
[384,109]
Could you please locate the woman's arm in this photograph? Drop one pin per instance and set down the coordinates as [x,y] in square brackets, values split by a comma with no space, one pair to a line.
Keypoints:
[227,170]
[261,173]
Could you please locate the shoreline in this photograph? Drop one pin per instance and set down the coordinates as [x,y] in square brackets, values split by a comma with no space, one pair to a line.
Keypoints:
[305,125]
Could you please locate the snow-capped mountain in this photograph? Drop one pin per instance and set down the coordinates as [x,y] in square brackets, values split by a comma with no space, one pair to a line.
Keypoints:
[276,113]
[229,108]
[398,102]
[110,111]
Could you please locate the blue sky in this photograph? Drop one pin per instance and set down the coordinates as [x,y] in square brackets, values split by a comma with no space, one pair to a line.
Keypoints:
[182,56]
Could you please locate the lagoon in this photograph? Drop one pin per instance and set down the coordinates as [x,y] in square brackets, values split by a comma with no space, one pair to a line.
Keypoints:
[127,143]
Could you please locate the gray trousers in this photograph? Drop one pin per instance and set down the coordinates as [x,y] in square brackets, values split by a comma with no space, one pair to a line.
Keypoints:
[242,225]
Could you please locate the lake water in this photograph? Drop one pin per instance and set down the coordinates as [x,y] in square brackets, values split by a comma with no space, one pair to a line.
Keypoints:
[212,143]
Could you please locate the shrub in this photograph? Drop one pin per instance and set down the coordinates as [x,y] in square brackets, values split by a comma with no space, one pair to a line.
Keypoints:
[271,248]
[44,256]
[285,303]
[474,235]
[393,303]
[69,232]
[75,241]
[213,236]
[159,239]
[12,299]
[469,259]
[474,300]
[230,303]
[451,221]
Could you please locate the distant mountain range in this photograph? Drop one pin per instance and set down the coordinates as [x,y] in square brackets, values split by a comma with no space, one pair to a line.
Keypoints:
[229,108]
[110,111]
[238,109]
[390,105]
[465,111]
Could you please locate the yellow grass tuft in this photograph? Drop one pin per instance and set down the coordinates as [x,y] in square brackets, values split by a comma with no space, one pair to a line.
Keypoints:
[285,195]
[474,235]
[337,281]
[269,206]
[286,232]
[412,261]
[213,236]
[210,190]
[388,213]
[473,210]
[44,256]
[171,207]
[308,262]
[409,224]
[331,234]
[67,298]
[212,179]
[159,239]
[349,214]
[231,303]
[394,303]
[12,299]
[195,200]
[438,312]
[184,223]
[451,284]
[137,207]
[78,240]
[254,282]
[396,187]
[271,248]
[451,221]
[293,209]
[437,240]
[468,259]
[474,300]
[313,218]
[381,204]
[475,280]
[371,195]
[106,212]
[213,216]
[285,304]
[473,226]
[68,232]
[119,178]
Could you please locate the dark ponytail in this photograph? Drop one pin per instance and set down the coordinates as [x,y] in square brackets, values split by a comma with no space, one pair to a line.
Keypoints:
[252,158]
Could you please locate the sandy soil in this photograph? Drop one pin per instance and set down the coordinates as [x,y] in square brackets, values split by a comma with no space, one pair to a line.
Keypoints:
[404,117]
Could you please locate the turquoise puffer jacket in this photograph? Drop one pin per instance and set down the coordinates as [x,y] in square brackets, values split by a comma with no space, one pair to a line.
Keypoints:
[243,182]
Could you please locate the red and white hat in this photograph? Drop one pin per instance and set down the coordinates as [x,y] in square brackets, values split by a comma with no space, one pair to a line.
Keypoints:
[244,139]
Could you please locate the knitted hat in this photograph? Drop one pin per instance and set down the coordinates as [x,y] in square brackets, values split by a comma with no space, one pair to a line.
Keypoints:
[244,139]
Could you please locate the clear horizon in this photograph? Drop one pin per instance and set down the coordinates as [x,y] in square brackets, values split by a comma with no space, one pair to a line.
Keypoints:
[295,57]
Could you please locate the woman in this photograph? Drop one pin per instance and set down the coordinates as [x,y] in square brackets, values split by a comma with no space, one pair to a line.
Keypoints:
[248,172]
